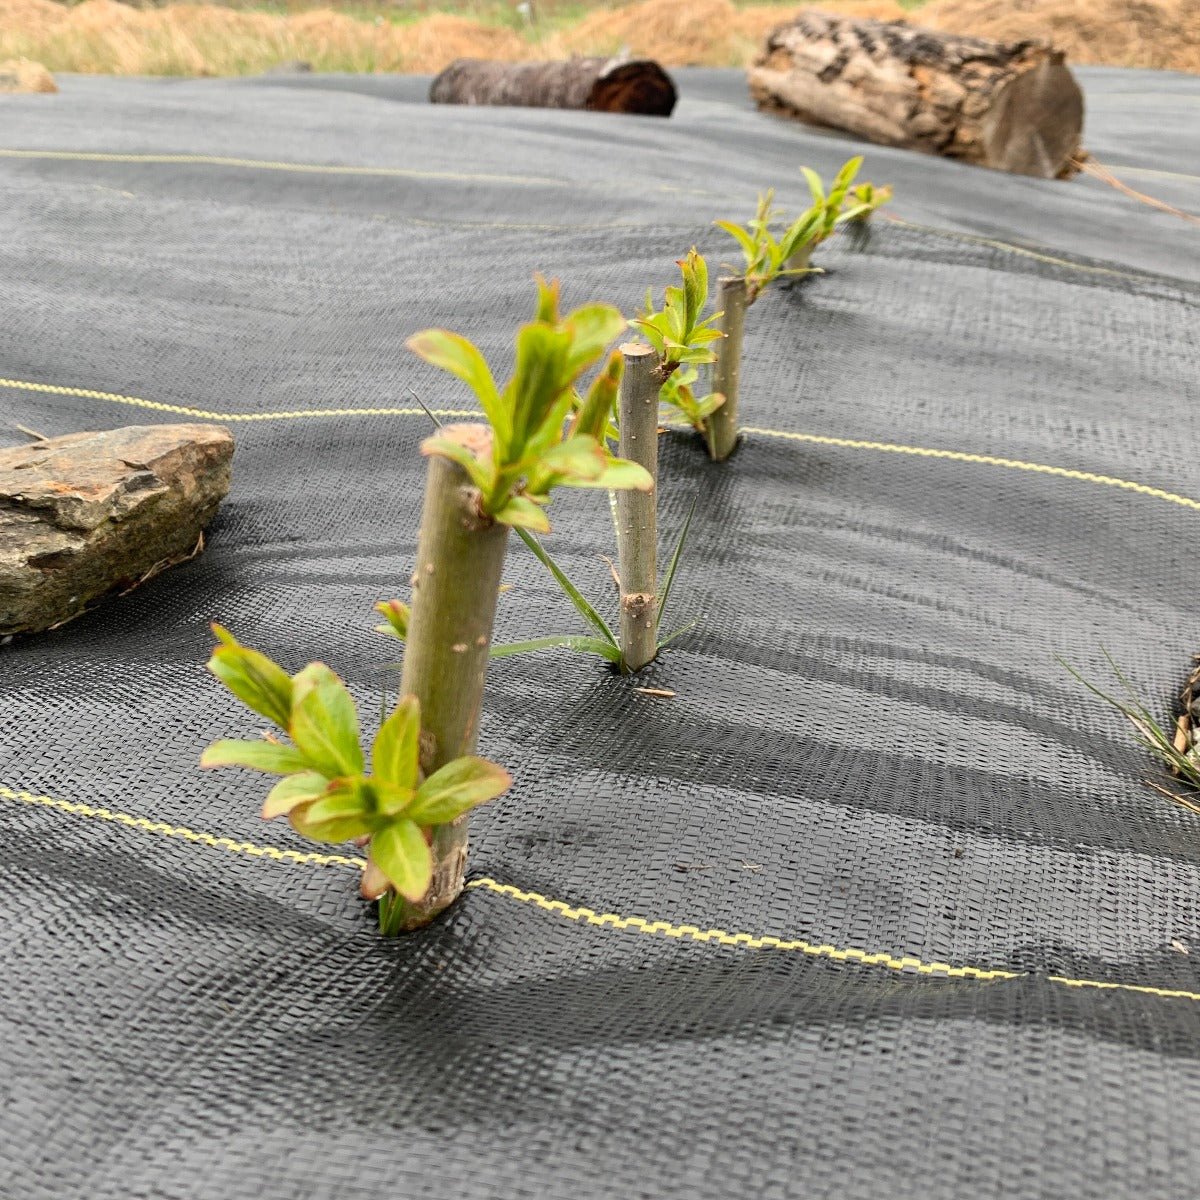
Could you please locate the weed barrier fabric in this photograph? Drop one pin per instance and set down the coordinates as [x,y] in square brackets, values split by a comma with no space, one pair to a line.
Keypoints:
[975,977]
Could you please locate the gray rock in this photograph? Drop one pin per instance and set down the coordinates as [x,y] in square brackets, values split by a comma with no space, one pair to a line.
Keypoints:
[92,513]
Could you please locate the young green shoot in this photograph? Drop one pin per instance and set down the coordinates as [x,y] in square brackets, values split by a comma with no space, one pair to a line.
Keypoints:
[533,446]
[481,481]
[677,331]
[865,199]
[678,394]
[696,344]
[330,790]
[768,258]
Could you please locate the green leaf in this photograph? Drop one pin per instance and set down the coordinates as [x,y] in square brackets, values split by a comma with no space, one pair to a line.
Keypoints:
[253,678]
[521,513]
[649,328]
[541,376]
[744,238]
[593,328]
[669,578]
[579,458]
[677,633]
[547,301]
[346,810]
[579,643]
[293,790]
[709,405]
[395,756]
[843,179]
[595,411]
[375,886]
[308,678]
[452,352]
[457,788]
[585,610]
[814,185]
[397,614]
[325,728]
[401,852]
[480,473]
[619,475]
[390,799]
[271,757]
[695,285]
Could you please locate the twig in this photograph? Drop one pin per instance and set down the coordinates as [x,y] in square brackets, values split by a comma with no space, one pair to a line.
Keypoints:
[1101,172]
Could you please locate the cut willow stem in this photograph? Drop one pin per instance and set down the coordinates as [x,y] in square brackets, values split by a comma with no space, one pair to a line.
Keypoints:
[460,555]
[802,259]
[721,427]
[637,531]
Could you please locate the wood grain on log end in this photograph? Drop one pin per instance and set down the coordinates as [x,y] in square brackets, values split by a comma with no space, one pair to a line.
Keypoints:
[1012,106]
[637,86]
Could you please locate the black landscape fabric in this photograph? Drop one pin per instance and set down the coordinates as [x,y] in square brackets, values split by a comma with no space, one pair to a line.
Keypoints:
[975,978]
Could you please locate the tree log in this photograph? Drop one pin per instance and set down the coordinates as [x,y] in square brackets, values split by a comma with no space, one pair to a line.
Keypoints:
[1014,106]
[600,84]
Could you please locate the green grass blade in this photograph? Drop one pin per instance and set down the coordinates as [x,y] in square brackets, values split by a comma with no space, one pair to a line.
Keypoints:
[665,590]
[1149,734]
[678,633]
[585,610]
[582,645]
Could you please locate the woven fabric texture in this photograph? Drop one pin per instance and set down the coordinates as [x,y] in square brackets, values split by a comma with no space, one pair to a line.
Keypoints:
[953,924]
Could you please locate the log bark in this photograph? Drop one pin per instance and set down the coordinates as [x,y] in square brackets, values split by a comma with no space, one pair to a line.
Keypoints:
[600,84]
[1012,106]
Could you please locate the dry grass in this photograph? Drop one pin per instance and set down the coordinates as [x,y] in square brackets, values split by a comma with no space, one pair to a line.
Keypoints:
[693,32]
[1130,33]
[102,36]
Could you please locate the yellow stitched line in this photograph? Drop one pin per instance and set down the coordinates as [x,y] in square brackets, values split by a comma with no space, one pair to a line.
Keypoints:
[986,460]
[976,239]
[722,937]
[525,181]
[51,389]
[219,160]
[181,831]
[258,164]
[904,964]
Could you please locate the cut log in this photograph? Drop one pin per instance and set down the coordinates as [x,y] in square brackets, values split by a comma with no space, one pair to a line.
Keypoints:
[1014,106]
[600,84]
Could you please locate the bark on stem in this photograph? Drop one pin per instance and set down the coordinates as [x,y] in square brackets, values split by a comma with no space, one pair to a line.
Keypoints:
[460,555]
[721,428]
[637,541]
